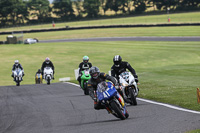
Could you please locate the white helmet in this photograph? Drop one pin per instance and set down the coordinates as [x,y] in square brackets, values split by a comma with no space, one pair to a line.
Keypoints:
[16,61]
[47,60]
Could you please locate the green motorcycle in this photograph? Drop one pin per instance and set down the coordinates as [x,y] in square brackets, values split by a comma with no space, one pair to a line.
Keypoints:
[84,80]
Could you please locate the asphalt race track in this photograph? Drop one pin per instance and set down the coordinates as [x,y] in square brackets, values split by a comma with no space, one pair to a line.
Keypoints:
[125,39]
[63,108]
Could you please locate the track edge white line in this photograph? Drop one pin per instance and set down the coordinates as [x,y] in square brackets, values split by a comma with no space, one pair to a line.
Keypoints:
[153,102]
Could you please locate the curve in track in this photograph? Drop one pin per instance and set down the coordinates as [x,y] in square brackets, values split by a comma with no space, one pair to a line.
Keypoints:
[61,107]
[125,39]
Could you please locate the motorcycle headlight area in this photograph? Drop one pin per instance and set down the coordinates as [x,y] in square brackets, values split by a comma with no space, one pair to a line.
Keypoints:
[124,84]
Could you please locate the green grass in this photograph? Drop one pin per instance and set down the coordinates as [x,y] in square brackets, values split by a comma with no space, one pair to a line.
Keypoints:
[115,32]
[194,131]
[168,71]
[189,17]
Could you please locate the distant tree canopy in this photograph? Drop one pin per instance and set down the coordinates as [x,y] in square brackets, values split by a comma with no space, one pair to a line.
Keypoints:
[40,9]
[63,9]
[91,8]
[14,12]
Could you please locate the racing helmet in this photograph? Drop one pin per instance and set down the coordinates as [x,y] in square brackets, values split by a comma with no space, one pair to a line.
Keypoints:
[47,60]
[85,59]
[39,71]
[16,63]
[94,72]
[117,60]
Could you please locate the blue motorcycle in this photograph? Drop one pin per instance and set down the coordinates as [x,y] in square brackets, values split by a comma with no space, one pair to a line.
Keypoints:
[112,100]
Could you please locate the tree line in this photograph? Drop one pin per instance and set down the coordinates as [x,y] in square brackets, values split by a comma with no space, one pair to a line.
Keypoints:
[18,12]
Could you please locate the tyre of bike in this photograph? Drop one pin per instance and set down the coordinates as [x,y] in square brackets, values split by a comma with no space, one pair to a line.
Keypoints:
[17,82]
[114,105]
[48,80]
[132,96]
[86,91]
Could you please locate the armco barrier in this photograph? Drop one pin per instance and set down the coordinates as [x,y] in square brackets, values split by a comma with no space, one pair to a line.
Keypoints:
[105,26]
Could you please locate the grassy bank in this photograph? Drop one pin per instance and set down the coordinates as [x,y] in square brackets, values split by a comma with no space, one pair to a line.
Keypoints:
[190,17]
[194,131]
[168,71]
[115,32]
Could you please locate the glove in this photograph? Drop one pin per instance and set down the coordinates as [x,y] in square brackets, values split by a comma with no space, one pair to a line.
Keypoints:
[95,99]
[136,80]
[117,87]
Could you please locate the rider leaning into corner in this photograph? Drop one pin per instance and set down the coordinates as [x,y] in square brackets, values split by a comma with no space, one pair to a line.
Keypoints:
[47,63]
[96,78]
[83,66]
[17,65]
[121,66]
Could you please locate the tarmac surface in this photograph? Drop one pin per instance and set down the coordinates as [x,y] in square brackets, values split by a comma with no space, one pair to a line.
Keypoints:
[63,108]
[125,39]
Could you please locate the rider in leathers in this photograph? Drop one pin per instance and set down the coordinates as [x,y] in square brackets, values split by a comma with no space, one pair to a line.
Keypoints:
[47,63]
[17,65]
[121,66]
[83,66]
[96,78]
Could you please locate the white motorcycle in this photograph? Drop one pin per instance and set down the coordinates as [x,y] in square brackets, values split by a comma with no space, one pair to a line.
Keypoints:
[18,74]
[48,74]
[129,87]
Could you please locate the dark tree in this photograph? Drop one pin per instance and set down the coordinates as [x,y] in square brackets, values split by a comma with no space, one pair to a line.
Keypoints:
[13,12]
[40,9]
[91,7]
[190,3]
[115,5]
[140,6]
[164,4]
[63,9]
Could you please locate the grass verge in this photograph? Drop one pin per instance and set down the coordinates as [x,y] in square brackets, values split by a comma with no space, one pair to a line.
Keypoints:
[194,131]
[115,32]
[190,17]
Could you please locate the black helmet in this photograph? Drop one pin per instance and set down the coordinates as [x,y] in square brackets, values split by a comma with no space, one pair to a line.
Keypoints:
[94,72]
[117,60]
[39,70]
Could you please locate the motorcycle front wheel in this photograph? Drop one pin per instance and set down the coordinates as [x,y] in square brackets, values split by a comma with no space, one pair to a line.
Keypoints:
[48,81]
[17,81]
[117,110]
[86,91]
[132,97]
